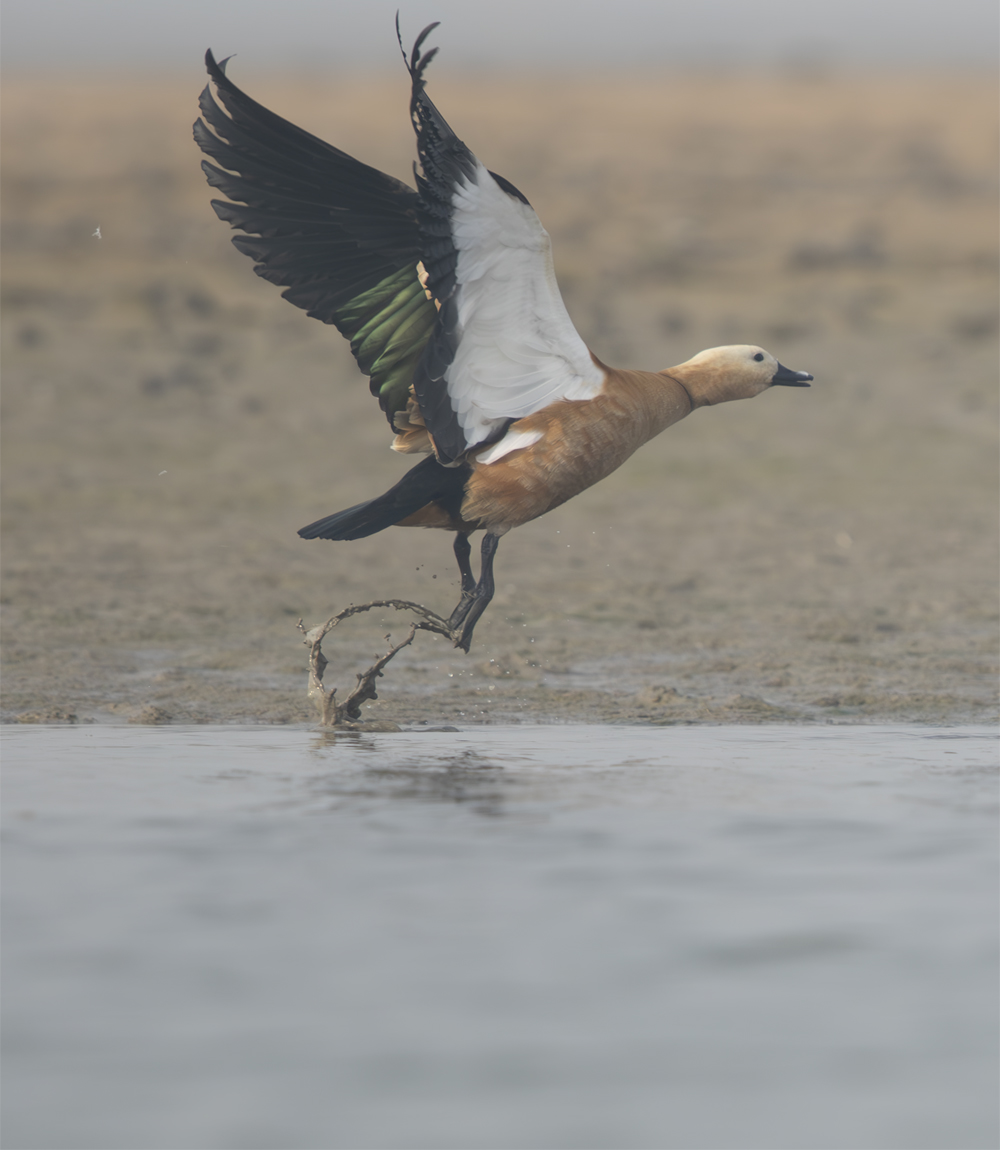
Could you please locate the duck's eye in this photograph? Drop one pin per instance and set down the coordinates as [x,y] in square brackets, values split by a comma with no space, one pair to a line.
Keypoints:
[759,357]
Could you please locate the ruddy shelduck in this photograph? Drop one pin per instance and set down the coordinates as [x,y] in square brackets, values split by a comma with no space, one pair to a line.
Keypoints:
[450,301]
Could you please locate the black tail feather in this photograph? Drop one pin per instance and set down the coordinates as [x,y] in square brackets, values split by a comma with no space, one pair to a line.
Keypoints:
[428,482]
[354,523]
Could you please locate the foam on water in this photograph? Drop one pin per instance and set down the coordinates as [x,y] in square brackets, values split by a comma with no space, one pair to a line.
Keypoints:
[533,936]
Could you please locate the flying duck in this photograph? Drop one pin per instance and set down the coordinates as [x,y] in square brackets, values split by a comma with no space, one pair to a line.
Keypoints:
[450,301]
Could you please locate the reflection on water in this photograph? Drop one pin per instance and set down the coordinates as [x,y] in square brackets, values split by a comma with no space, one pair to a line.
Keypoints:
[463,777]
[565,937]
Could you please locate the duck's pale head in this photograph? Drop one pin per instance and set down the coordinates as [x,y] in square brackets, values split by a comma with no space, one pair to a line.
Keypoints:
[737,371]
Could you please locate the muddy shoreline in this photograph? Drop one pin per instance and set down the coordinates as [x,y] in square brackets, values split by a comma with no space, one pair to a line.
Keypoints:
[817,556]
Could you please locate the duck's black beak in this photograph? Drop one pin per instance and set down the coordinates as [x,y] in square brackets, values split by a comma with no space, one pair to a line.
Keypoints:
[785,377]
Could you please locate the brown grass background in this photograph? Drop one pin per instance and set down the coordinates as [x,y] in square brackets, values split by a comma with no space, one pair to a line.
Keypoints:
[169,421]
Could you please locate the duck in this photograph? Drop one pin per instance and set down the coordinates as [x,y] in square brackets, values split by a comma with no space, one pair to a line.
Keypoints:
[448,295]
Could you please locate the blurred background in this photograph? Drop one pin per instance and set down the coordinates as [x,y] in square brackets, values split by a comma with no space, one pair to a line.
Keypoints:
[327,34]
[814,177]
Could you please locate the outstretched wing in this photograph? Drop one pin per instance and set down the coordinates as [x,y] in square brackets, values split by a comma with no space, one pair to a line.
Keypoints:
[503,345]
[342,238]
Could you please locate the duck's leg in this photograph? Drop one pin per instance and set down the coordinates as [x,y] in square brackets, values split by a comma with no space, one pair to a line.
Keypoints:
[463,550]
[466,614]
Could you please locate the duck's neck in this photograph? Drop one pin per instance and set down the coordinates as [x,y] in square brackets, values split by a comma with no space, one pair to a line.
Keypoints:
[650,401]
[704,386]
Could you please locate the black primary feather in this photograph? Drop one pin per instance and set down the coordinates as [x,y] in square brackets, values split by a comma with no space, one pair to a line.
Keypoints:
[444,162]
[341,237]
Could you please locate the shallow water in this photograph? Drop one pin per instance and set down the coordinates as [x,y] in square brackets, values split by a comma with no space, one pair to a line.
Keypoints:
[501,937]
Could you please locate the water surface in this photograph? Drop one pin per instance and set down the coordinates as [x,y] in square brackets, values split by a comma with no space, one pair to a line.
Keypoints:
[501,937]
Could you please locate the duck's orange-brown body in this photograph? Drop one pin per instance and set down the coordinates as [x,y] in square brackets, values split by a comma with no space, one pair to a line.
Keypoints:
[580,443]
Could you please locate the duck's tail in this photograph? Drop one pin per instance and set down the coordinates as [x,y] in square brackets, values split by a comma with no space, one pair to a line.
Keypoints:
[428,482]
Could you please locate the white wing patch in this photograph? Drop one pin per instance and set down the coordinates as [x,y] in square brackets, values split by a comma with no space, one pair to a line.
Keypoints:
[512,441]
[518,350]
